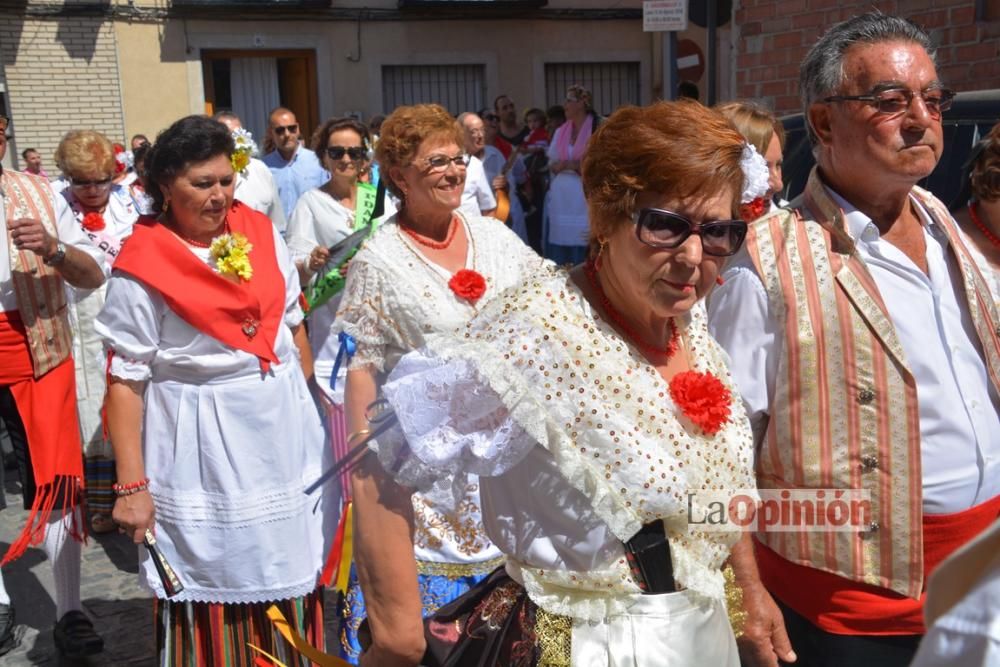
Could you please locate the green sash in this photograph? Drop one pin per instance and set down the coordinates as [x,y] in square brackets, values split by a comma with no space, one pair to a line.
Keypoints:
[324,288]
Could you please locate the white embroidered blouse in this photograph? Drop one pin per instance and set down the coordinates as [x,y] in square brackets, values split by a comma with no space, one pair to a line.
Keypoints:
[576,441]
[393,300]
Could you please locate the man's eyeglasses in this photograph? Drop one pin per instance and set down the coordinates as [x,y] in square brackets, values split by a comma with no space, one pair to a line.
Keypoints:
[82,184]
[282,129]
[354,152]
[668,230]
[439,163]
[897,100]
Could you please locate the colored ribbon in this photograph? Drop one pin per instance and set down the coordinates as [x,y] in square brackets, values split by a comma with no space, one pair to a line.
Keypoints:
[301,645]
[332,567]
[348,346]
[327,286]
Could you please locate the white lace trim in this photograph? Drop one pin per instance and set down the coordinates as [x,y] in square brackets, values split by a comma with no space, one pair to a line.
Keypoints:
[132,370]
[560,592]
[215,596]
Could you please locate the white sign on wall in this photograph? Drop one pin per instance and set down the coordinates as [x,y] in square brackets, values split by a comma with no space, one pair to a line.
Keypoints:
[664,15]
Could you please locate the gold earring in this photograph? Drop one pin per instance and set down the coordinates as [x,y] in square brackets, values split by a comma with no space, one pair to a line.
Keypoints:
[601,243]
[166,205]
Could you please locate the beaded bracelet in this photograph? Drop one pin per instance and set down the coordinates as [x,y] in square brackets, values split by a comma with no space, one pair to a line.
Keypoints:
[131,487]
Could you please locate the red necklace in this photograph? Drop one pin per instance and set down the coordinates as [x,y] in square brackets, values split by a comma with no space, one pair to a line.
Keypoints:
[650,350]
[199,244]
[431,243]
[982,227]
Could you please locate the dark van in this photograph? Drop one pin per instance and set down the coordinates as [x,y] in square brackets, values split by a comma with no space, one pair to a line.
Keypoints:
[970,117]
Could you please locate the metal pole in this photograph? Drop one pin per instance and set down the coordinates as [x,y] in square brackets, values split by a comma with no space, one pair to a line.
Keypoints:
[710,46]
[670,76]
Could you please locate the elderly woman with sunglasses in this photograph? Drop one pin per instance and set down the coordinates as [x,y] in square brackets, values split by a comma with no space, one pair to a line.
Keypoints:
[428,269]
[105,212]
[598,412]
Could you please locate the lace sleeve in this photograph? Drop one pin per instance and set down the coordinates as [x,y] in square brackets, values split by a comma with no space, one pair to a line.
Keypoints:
[450,423]
[362,315]
[129,325]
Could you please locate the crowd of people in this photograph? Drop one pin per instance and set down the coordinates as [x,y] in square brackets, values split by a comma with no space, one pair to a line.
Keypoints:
[479,376]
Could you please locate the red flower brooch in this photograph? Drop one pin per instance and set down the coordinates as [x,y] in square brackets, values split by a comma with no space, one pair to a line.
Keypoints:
[468,285]
[703,399]
[93,222]
[753,210]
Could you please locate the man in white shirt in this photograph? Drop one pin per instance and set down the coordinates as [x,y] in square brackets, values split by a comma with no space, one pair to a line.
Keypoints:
[41,250]
[255,185]
[477,197]
[865,346]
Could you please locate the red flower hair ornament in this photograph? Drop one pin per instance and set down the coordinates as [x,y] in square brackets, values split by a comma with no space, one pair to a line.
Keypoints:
[703,399]
[93,222]
[753,210]
[468,285]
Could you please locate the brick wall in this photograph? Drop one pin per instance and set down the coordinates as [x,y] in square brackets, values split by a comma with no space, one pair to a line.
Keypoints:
[61,75]
[774,35]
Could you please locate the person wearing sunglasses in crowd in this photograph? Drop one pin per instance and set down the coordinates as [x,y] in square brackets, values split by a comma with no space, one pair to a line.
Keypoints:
[105,212]
[295,168]
[325,216]
[590,401]
[875,360]
[427,269]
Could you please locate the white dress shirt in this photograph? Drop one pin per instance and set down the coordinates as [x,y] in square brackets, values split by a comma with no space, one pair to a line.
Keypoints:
[478,193]
[256,188]
[69,232]
[959,420]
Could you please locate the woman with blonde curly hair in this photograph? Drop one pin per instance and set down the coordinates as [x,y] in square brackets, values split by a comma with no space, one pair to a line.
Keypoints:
[106,212]
[427,269]
[598,411]
[766,134]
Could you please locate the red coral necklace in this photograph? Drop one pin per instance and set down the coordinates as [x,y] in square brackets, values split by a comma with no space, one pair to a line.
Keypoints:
[974,216]
[701,397]
[431,243]
[590,269]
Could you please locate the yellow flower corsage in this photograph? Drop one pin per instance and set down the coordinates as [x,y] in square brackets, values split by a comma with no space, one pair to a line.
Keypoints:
[231,253]
[244,149]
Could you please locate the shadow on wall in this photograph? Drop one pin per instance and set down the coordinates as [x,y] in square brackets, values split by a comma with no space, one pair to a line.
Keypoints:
[78,35]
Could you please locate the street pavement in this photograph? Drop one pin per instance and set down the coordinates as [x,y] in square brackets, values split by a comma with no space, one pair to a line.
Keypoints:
[122,611]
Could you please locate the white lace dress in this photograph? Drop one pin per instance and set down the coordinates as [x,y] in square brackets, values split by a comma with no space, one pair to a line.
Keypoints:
[577,444]
[394,299]
[229,450]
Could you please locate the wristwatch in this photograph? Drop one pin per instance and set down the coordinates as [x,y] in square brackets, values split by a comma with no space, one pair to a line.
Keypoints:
[58,256]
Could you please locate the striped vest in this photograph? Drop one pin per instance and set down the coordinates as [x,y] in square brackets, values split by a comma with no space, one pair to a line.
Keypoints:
[40,291]
[844,410]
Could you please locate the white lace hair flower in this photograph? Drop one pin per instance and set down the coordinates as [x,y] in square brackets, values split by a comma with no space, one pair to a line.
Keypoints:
[244,141]
[755,174]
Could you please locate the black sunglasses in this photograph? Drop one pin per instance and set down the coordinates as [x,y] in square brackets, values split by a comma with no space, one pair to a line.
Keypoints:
[82,183]
[353,152]
[668,230]
[281,129]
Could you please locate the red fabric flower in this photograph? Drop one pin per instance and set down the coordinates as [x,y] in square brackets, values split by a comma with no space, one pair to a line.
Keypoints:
[121,161]
[753,210]
[702,398]
[93,222]
[468,285]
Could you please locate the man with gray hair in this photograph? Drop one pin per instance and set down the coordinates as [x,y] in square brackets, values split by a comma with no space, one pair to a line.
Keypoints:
[866,347]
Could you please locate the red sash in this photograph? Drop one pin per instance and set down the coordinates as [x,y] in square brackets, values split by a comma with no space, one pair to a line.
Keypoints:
[47,407]
[245,316]
[844,607]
